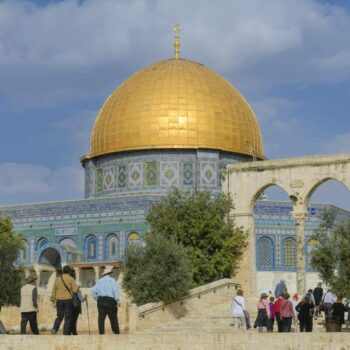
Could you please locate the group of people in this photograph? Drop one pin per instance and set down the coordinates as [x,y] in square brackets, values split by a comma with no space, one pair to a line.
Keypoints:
[298,312]
[67,298]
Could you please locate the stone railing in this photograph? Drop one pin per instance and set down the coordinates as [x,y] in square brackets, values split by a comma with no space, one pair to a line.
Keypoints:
[198,299]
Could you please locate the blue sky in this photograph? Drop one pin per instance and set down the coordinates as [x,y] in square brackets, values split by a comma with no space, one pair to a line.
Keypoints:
[60,60]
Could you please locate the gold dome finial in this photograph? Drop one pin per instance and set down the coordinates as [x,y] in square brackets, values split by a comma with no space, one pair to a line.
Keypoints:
[177,29]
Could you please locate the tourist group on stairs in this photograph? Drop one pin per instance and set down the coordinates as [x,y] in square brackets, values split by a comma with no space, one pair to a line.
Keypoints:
[290,315]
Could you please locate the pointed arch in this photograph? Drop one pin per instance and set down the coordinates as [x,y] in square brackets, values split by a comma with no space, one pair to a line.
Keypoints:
[91,247]
[265,254]
[289,254]
[112,245]
[319,183]
[41,242]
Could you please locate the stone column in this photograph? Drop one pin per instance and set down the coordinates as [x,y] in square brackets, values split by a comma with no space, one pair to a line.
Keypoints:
[77,273]
[246,274]
[300,234]
[97,273]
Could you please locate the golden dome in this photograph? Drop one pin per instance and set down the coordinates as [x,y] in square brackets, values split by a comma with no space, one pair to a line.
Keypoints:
[175,104]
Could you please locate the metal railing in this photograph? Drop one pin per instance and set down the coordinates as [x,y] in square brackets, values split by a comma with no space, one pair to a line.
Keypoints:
[198,295]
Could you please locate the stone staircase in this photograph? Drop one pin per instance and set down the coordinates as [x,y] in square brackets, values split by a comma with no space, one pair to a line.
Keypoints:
[215,319]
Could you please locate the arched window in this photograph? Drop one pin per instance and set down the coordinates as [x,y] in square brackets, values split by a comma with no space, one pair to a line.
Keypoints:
[134,238]
[311,245]
[289,256]
[23,255]
[265,254]
[91,247]
[68,243]
[113,246]
[41,242]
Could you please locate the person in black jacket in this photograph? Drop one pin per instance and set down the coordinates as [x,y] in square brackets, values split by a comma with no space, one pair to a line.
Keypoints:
[338,311]
[305,311]
[318,294]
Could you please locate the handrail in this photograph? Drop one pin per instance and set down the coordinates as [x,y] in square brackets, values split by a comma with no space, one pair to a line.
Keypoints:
[187,297]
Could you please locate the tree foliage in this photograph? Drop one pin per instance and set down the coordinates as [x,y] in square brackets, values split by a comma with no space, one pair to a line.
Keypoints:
[202,224]
[157,271]
[331,256]
[11,278]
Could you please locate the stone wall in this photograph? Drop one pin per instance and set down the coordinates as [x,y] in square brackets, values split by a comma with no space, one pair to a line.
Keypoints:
[182,341]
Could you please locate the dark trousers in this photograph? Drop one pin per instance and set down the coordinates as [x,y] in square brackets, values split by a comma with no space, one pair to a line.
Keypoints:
[31,318]
[270,325]
[287,324]
[279,322]
[73,327]
[64,310]
[107,306]
[327,310]
[305,325]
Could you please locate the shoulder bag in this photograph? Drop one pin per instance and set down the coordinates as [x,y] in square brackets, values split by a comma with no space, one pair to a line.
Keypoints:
[75,299]
[246,314]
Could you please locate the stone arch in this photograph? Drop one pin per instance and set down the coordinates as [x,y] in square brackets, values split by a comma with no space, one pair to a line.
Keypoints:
[264,187]
[54,249]
[319,183]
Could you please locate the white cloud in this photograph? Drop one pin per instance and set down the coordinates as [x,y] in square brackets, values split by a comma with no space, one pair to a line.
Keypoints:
[228,33]
[275,114]
[338,144]
[22,182]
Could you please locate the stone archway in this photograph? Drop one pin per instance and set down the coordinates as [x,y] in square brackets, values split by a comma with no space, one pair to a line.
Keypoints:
[51,257]
[298,177]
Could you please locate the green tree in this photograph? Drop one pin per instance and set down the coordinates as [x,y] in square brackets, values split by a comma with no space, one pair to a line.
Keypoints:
[201,222]
[11,278]
[331,256]
[157,271]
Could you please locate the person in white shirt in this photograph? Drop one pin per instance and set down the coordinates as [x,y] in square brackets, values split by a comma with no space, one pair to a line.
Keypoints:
[238,312]
[328,299]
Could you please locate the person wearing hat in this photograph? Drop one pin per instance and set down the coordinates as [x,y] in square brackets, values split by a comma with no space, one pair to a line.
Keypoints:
[29,305]
[106,293]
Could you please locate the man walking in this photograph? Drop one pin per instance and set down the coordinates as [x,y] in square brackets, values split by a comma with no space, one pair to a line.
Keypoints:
[318,294]
[106,292]
[61,297]
[29,305]
[280,289]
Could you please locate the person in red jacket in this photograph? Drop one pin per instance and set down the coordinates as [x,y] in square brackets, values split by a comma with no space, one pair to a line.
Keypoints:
[278,314]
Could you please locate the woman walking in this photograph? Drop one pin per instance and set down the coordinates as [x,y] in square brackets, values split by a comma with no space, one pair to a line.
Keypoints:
[238,312]
[263,318]
[287,313]
[305,311]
